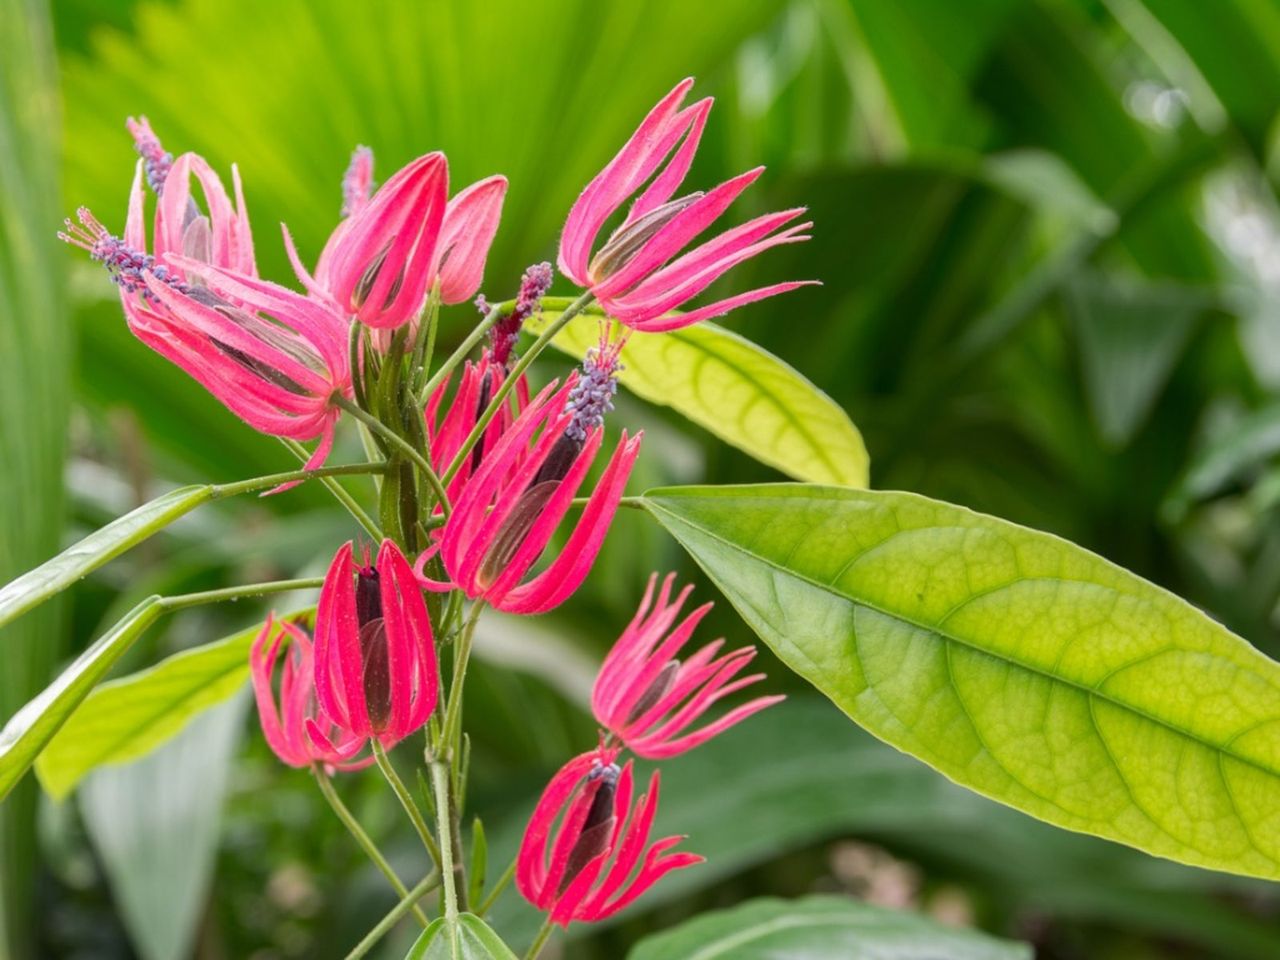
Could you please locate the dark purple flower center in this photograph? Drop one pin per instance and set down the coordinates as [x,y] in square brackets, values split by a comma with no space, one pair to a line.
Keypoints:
[593,840]
[374,652]
[660,687]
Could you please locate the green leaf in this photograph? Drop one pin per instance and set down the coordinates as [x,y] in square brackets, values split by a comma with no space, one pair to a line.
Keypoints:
[472,939]
[28,730]
[155,824]
[128,718]
[740,392]
[76,562]
[1018,664]
[821,928]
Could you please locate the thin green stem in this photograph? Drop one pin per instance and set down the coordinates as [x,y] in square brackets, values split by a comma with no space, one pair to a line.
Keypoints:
[400,443]
[452,724]
[185,600]
[339,493]
[366,843]
[460,354]
[487,903]
[539,941]
[406,801]
[500,395]
[425,344]
[440,784]
[407,903]
[275,479]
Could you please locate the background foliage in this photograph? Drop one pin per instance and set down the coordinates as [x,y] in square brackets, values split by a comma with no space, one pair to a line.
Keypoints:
[1050,244]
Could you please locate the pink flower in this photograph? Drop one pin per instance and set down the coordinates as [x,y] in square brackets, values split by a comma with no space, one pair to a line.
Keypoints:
[380,262]
[446,431]
[376,673]
[273,357]
[584,842]
[633,274]
[518,494]
[156,160]
[648,699]
[285,727]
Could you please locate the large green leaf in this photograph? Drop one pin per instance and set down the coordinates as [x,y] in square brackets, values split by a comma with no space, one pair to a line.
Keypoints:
[470,939]
[128,718]
[1019,665]
[740,392]
[821,928]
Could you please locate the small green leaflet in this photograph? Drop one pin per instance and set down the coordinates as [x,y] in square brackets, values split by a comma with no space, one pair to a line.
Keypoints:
[473,940]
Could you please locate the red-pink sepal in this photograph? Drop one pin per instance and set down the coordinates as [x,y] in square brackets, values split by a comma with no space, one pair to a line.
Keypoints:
[379,267]
[446,432]
[284,725]
[648,698]
[273,357]
[470,224]
[616,876]
[478,522]
[411,676]
[638,275]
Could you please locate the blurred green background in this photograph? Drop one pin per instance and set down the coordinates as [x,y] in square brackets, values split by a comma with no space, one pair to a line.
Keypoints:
[1050,244]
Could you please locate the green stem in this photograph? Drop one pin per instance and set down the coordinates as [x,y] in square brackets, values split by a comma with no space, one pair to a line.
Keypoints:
[500,396]
[464,348]
[440,784]
[400,443]
[407,903]
[366,843]
[275,479]
[406,801]
[539,941]
[425,344]
[185,600]
[452,724]
[487,903]
[339,493]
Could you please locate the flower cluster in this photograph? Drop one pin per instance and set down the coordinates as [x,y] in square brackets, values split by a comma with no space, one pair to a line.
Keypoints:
[485,485]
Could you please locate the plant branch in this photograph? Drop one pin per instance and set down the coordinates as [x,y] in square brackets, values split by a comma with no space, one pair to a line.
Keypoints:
[539,941]
[407,903]
[339,493]
[440,784]
[406,801]
[500,395]
[464,348]
[400,443]
[368,846]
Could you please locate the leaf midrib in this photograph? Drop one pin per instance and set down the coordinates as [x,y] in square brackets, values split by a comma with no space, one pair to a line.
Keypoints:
[1012,661]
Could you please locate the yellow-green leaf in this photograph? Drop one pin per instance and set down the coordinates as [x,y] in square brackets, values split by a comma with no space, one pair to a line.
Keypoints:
[1018,664]
[127,718]
[738,391]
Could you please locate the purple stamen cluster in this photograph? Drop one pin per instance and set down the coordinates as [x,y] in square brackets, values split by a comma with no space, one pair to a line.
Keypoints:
[357,181]
[156,161]
[592,396]
[534,284]
[127,267]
